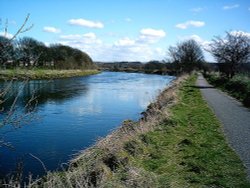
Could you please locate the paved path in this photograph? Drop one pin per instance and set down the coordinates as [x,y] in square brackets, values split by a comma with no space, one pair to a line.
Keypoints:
[234,117]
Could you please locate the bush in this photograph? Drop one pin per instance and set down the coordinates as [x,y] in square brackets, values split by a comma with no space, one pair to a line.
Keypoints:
[238,87]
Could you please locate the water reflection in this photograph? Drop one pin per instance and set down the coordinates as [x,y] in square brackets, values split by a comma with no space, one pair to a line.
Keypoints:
[73,114]
[42,91]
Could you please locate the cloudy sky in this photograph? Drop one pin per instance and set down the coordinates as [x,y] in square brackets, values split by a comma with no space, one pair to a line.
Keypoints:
[126,30]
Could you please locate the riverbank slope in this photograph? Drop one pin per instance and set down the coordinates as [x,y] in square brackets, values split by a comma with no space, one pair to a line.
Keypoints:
[37,74]
[177,143]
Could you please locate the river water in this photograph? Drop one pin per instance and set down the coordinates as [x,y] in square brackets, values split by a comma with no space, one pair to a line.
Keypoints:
[68,115]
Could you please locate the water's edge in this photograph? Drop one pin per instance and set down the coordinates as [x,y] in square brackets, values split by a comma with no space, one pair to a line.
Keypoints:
[62,133]
[93,160]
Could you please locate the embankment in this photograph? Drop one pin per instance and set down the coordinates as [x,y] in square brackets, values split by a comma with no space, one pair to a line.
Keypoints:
[38,74]
[177,143]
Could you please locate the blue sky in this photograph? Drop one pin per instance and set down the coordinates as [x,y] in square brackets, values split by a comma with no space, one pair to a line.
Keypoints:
[126,30]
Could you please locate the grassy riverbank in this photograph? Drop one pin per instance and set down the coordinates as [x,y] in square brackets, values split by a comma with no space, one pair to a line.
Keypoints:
[189,150]
[34,74]
[178,143]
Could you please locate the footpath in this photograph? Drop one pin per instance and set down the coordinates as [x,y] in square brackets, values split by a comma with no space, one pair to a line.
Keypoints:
[234,117]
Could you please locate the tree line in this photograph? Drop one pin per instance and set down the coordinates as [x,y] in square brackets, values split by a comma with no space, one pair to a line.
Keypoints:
[29,52]
[230,52]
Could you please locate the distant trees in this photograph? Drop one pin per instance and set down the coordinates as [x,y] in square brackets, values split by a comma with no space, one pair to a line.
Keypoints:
[29,52]
[67,57]
[186,56]
[231,51]
[6,50]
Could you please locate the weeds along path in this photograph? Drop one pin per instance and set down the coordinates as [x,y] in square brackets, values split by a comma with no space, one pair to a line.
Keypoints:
[234,117]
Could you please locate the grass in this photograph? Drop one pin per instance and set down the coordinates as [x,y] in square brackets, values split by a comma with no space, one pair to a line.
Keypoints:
[189,149]
[10,74]
[238,86]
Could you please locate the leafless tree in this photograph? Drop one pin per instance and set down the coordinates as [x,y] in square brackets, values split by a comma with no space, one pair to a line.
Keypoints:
[231,51]
[187,55]
[12,117]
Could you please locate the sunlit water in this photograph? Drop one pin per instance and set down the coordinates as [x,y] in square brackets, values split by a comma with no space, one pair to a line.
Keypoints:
[70,115]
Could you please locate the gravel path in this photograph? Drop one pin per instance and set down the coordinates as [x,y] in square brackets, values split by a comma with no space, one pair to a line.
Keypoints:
[234,117]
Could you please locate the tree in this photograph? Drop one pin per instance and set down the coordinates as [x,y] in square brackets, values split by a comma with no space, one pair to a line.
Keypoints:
[231,51]
[30,50]
[187,55]
[70,58]
[6,50]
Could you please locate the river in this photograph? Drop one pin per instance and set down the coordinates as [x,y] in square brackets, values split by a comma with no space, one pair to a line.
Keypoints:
[69,115]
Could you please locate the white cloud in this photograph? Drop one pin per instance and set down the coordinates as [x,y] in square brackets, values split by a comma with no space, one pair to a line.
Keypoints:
[138,49]
[136,52]
[125,42]
[50,29]
[240,33]
[205,43]
[86,23]
[153,32]
[90,35]
[7,35]
[228,7]
[149,35]
[190,23]
[47,44]
[198,39]
[120,52]
[77,40]
[71,37]
[78,36]
[196,10]
[123,49]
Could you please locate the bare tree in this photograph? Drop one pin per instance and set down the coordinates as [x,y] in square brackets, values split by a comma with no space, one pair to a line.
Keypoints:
[231,51]
[22,29]
[7,44]
[6,51]
[187,55]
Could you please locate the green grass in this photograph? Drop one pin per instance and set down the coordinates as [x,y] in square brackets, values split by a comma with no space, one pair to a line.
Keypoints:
[238,86]
[189,149]
[10,74]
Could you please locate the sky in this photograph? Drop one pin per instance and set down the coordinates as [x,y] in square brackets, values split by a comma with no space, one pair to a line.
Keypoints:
[125,30]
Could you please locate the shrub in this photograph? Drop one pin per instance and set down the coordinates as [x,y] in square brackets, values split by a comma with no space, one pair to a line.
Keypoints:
[238,86]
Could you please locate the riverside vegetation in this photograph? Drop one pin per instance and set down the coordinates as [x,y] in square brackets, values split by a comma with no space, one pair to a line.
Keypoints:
[177,143]
[33,74]
[27,58]
[238,86]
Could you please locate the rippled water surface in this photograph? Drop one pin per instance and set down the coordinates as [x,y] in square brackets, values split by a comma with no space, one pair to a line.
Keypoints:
[70,115]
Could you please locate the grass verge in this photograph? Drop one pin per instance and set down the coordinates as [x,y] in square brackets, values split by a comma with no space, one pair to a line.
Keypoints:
[189,150]
[238,86]
[35,74]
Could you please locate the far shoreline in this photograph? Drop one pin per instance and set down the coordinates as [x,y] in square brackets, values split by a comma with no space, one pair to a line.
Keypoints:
[43,74]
